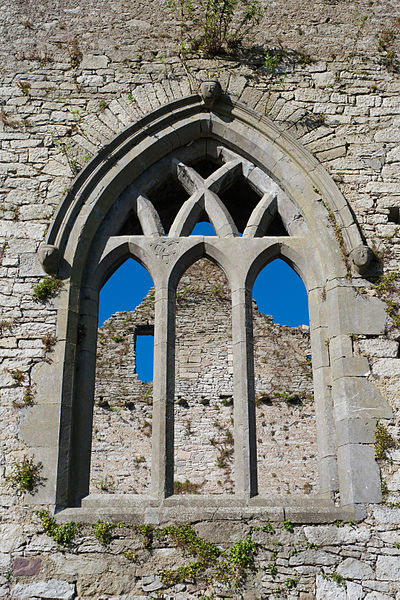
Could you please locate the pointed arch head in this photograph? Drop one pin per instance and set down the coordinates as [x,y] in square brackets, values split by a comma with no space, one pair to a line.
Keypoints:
[120,179]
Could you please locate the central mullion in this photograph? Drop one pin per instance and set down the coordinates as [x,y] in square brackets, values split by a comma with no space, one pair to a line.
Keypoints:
[162,471]
[243,392]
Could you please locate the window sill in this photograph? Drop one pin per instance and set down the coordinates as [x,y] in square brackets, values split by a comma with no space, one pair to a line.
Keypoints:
[188,508]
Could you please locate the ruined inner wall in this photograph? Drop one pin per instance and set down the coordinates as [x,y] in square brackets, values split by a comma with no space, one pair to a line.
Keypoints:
[73,75]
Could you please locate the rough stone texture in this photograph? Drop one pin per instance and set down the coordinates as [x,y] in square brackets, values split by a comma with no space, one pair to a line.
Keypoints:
[52,589]
[343,106]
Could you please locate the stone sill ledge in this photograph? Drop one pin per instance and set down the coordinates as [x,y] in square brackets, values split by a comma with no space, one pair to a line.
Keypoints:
[189,508]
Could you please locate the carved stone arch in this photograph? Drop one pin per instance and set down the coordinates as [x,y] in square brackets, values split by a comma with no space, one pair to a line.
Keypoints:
[83,246]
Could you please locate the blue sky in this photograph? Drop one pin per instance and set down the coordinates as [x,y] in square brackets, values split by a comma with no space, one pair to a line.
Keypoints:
[278,291]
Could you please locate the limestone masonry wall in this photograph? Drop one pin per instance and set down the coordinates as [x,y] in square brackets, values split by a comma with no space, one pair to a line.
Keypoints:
[74,75]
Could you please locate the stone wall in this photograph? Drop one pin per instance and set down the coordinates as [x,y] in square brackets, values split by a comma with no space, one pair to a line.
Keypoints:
[73,76]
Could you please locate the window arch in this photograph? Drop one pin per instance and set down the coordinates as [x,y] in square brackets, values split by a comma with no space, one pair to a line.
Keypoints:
[85,244]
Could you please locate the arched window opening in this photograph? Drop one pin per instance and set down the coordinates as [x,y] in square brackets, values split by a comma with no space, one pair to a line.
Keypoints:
[203,382]
[122,419]
[205,167]
[240,199]
[168,197]
[131,225]
[285,413]
[203,227]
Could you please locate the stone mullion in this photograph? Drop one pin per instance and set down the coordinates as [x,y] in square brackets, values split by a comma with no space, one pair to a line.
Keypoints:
[243,392]
[162,473]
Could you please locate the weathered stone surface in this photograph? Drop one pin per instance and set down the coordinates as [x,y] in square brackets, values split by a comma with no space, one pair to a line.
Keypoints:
[53,590]
[27,567]
[352,568]
[387,367]
[354,591]
[388,568]
[313,557]
[332,535]
[151,583]
[329,590]
[379,348]
[11,537]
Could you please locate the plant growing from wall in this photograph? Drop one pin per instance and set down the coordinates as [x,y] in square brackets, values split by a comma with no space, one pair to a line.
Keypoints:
[25,475]
[386,47]
[186,487]
[220,24]
[49,341]
[17,375]
[63,534]
[387,287]
[383,441]
[47,288]
[102,531]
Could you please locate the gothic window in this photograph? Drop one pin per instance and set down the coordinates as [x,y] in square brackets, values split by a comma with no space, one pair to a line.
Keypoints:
[266,197]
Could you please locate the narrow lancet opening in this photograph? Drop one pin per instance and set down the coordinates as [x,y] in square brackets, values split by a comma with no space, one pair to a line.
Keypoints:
[285,413]
[122,414]
[203,383]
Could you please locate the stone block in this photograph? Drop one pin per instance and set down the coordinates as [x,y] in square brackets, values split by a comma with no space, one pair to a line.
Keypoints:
[151,583]
[313,557]
[388,568]
[94,61]
[11,537]
[26,567]
[354,394]
[332,535]
[354,591]
[359,474]
[52,590]
[379,348]
[363,315]
[387,367]
[352,568]
[340,346]
[354,366]
[356,430]
[329,590]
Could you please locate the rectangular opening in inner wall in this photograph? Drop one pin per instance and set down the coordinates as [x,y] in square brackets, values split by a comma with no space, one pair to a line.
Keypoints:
[144,350]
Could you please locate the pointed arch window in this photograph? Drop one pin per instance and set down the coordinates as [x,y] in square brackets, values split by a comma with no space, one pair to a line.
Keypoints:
[142,197]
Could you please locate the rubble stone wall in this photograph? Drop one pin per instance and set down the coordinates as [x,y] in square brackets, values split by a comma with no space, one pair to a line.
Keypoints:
[75,74]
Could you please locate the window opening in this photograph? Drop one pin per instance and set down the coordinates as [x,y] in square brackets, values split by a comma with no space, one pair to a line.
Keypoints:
[203,228]
[131,225]
[276,227]
[168,197]
[122,414]
[394,214]
[205,167]
[240,199]
[285,414]
[144,345]
[290,306]
[203,382]
[124,290]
